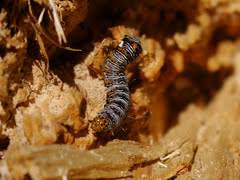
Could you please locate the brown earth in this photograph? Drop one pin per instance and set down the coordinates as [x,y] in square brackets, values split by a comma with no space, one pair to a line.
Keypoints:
[184,117]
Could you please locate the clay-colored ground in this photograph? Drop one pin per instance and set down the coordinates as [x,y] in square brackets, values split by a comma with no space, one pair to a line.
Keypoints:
[185,89]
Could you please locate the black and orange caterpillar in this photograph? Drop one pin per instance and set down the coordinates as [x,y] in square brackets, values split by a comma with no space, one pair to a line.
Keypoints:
[118,98]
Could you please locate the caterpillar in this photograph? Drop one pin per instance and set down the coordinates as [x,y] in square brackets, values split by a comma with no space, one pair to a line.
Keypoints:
[115,80]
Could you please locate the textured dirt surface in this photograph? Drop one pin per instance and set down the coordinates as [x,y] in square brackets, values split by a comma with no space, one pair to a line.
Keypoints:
[185,104]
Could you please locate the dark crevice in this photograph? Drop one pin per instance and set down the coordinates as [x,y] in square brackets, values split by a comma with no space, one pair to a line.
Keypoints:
[105,14]
[144,164]
[4,142]
[83,108]
[193,158]
[195,85]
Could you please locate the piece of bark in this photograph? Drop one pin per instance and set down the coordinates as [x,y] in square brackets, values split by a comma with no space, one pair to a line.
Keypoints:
[116,159]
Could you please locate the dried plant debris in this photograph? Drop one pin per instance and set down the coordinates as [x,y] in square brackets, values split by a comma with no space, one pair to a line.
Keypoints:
[116,159]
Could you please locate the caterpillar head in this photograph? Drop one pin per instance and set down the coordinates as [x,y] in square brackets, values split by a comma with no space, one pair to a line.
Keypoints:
[134,42]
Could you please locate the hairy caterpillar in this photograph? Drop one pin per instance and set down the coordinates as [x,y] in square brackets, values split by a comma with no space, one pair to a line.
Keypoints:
[118,99]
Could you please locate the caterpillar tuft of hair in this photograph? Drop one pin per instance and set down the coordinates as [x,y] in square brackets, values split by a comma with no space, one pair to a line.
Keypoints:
[118,98]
